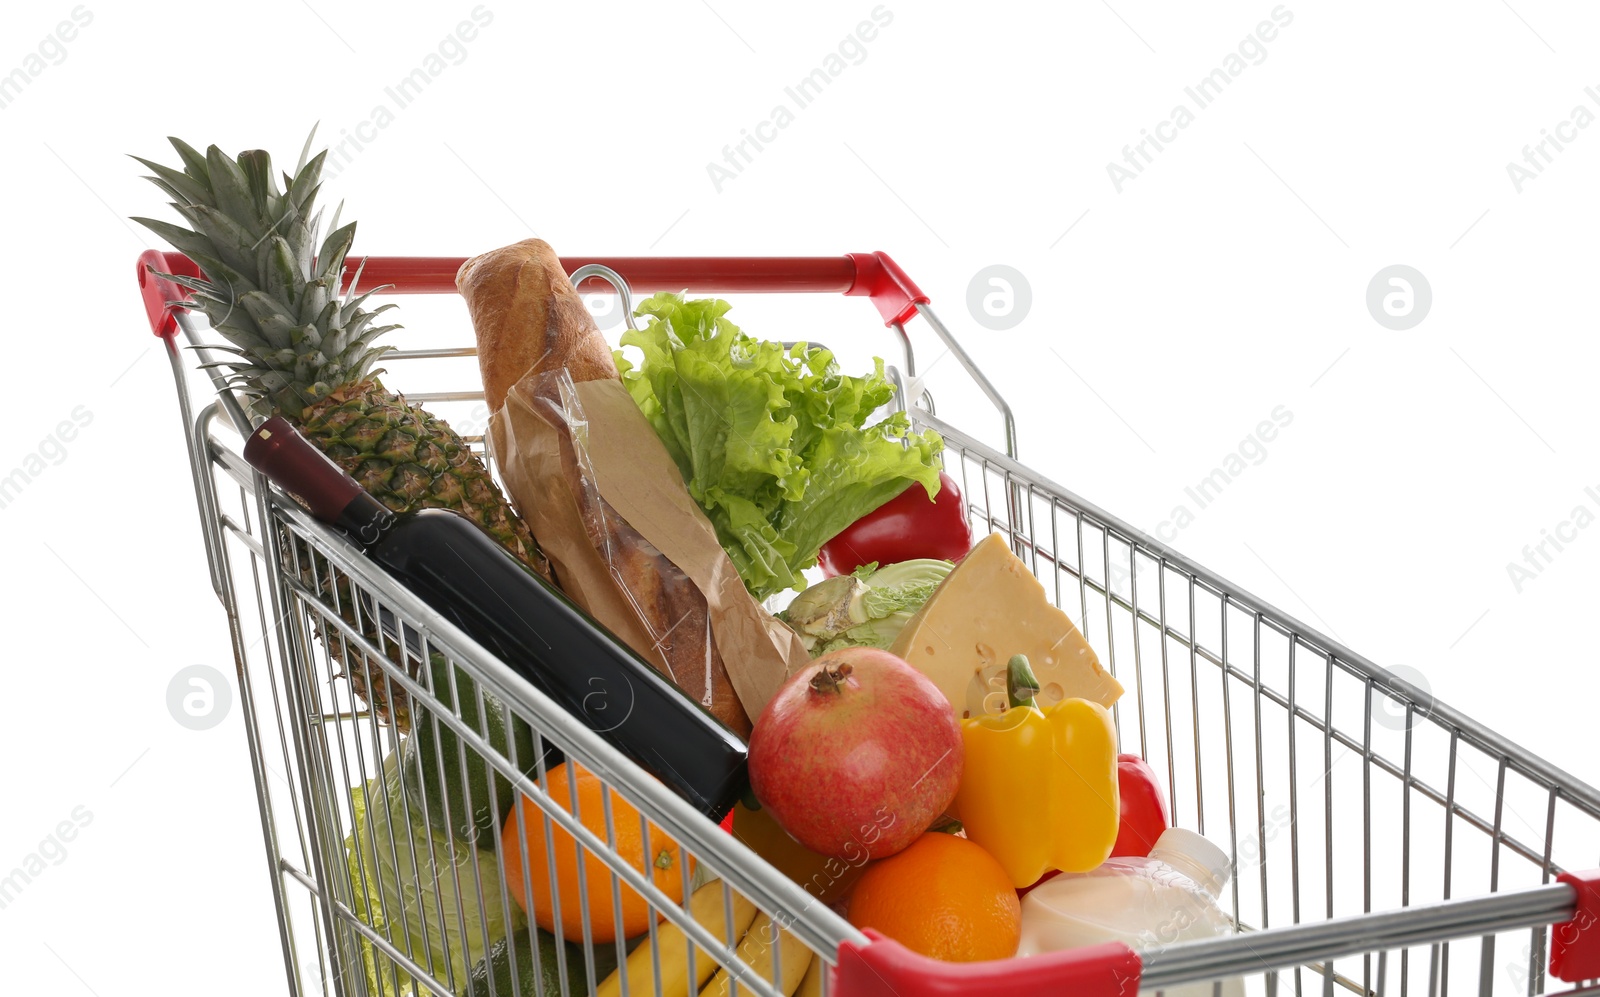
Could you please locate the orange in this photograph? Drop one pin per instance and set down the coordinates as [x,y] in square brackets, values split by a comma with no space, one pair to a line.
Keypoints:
[658,856]
[944,897]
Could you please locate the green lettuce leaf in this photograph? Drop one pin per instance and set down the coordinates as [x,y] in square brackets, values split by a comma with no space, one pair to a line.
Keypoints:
[771,442]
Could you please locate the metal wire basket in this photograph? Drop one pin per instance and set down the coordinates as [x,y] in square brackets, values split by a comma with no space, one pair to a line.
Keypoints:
[1357,810]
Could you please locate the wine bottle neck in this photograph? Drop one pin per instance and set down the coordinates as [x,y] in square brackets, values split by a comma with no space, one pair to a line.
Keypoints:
[366,520]
[288,459]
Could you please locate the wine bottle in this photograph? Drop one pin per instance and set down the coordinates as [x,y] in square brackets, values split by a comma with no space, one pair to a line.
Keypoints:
[456,568]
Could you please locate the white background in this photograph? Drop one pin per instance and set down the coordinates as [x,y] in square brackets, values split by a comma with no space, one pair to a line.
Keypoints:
[1228,279]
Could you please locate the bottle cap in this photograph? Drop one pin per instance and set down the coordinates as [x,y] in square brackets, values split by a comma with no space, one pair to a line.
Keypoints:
[277,450]
[1195,857]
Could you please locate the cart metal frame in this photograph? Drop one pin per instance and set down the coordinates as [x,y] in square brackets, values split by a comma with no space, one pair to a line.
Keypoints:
[1248,712]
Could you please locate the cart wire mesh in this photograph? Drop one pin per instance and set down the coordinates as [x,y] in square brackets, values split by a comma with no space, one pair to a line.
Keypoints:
[1338,788]
[1353,805]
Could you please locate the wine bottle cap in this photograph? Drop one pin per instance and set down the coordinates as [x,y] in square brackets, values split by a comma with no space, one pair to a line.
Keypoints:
[277,450]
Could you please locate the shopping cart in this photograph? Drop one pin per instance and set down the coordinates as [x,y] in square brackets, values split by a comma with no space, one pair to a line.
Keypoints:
[1382,842]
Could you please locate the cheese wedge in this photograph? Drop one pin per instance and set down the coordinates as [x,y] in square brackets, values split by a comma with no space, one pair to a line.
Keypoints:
[988,609]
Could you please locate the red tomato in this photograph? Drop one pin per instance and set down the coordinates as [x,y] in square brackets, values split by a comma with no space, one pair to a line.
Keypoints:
[1144,808]
[906,527]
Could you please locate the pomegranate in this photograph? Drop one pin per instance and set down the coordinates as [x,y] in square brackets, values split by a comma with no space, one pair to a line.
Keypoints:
[856,755]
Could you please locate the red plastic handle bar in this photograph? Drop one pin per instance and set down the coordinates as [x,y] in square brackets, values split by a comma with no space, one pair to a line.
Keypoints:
[871,275]
[885,968]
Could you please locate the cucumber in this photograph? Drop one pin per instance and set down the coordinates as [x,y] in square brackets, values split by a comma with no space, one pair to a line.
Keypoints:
[463,805]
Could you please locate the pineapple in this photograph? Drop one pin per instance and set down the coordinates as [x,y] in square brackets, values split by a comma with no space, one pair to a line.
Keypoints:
[306,352]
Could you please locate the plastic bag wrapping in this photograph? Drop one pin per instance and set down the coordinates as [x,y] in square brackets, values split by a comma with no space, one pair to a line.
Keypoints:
[609,509]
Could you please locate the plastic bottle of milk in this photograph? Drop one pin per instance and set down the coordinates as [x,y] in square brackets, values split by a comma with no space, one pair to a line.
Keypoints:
[1147,903]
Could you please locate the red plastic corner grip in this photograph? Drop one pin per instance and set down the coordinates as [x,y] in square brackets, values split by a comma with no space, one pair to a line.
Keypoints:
[1575,944]
[881,279]
[159,293]
[885,968]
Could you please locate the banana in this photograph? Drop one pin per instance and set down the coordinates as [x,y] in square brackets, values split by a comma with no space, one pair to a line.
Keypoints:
[706,907]
[811,985]
[755,951]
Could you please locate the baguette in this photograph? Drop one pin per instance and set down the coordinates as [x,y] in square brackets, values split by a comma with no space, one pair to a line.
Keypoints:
[529,320]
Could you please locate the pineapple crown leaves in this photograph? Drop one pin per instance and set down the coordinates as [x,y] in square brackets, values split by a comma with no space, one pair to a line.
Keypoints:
[269,288]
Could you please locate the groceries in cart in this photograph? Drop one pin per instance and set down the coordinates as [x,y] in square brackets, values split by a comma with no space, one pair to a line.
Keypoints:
[1040,788]
[462,574]
[856,755]
[1169,896]
[1143,805]
[906,528]
[550,901]
[603,495]
[672,496]
[917,739]
[436,897]
[943,897]
[990,608]
[867,607]
[301,344]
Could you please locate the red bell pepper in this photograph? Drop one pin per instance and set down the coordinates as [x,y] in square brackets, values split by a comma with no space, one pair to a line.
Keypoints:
[1144,807]
[908,526]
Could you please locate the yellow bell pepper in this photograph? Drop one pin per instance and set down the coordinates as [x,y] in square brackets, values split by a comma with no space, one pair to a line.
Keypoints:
[1039,787]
